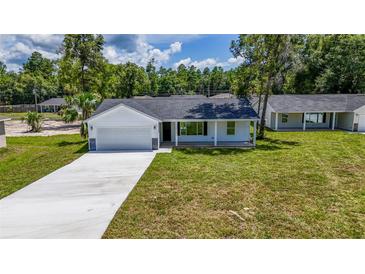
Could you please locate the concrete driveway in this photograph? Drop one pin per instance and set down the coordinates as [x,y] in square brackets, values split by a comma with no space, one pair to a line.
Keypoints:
[76,201]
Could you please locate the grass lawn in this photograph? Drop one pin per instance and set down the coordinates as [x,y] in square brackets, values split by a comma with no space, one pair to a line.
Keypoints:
[19,115]
[27,159]
[293,185]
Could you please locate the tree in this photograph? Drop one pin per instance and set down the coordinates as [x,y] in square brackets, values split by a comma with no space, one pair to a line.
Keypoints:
[86,103]
[37,78]
[182,79]
[268,57]
[131,80]
[331,64]
[38,65]
[152,77]
[82,59]
[2,69]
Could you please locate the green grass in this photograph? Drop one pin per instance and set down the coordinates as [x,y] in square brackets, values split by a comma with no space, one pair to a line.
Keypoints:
[293,185]
[27,159]
[20,115]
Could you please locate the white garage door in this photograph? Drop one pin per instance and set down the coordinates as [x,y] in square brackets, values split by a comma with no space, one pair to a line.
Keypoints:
[124,138]
[362,123]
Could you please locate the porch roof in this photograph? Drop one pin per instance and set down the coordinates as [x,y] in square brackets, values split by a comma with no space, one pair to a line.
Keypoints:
[186,108]
[53,102]
[316,102]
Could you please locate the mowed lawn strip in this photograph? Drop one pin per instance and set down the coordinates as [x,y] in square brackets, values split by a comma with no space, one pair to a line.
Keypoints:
[293,185]
[27,159]
[20,115]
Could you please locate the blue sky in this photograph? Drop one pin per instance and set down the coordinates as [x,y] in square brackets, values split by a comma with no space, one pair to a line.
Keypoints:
[167,50]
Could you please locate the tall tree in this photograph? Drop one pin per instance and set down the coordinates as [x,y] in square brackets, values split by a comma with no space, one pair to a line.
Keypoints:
[131,80]
[269,57]
[82,59]
[152,77]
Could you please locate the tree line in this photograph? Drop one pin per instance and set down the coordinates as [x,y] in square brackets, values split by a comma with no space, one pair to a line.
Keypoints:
[275,63]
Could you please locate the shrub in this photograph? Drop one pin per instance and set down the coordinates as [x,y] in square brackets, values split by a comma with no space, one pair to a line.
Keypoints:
[34,121]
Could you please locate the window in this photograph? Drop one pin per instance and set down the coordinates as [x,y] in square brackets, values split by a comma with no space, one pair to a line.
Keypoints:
[315,118]
[231,128]
[284,118]
[191,128]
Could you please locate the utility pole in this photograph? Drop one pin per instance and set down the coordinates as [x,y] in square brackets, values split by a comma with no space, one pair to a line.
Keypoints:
[35,99]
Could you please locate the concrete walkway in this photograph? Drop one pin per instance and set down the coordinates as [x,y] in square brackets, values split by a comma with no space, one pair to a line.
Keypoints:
[76,201]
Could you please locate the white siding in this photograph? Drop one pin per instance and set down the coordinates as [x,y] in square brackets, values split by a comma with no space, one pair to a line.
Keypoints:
[344,120]
[242,133]
[360,118]
[294,121]
[122,117]
[114,129]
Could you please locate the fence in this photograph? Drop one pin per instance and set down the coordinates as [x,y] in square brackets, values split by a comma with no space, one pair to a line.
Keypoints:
[17,108]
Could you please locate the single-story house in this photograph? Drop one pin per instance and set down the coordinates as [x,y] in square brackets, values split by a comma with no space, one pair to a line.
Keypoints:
[51,105]
[145,124]
[2,131]
[320,111]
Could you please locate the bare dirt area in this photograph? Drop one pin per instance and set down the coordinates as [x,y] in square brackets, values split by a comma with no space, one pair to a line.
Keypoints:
[49,128]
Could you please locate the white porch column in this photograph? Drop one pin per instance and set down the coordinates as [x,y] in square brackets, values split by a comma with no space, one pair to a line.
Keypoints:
[304,120]
[276,120]
[254,132]
[176,136]
[215,133]
[333,120]
[54,108]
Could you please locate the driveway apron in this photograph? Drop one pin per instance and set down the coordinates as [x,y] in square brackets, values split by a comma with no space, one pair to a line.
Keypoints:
[76,201]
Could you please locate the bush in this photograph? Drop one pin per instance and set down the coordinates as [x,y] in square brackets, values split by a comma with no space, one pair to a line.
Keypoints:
[34,121]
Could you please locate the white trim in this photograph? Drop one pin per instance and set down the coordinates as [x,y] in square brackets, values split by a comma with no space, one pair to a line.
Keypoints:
[209,120]
[112,126]
[254,132]
[215,133]
[333,120]
[304,120]
[276,120]
[118,106]
[176,136]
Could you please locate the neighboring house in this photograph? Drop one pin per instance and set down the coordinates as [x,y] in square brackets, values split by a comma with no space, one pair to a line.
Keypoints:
[51,105]
[2,131]
[321,111]
[147,123]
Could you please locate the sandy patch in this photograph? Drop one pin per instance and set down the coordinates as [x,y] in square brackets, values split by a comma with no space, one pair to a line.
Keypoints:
[49,127]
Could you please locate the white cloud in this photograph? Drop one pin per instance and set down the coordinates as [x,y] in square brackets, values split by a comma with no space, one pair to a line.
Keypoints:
[209,62]
[142,54]
[235,61]
[15,49]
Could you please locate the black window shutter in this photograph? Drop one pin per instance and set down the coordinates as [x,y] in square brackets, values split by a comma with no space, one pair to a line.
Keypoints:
[178,128]
[303,118]
[205,128]
[324,117]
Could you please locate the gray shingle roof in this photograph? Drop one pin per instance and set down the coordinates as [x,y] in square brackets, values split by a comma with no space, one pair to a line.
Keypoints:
[166,108]
[53,102]
[317,102]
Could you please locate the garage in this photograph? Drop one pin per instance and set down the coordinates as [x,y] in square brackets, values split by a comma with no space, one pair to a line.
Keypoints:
[361,125]
[124,138]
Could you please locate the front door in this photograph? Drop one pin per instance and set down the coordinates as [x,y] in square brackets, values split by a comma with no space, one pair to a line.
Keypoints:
[166,131]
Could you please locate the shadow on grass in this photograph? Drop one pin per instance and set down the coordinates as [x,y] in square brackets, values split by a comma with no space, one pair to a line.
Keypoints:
[82,149]
[266,144]
[68,143]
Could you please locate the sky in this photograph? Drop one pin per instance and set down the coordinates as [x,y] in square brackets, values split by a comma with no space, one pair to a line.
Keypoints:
[167,50]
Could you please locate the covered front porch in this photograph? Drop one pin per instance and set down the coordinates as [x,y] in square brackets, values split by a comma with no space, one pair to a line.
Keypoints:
[208,133]
[309,121]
